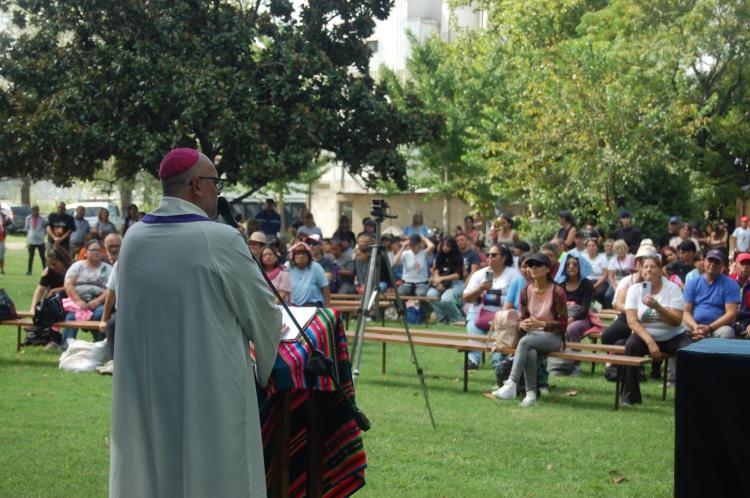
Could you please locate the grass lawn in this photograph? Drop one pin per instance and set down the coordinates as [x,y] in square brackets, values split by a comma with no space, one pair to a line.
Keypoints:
[54,428]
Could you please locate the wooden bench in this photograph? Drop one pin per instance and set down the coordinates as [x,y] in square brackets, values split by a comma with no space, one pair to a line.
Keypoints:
[466,344]
[25,320]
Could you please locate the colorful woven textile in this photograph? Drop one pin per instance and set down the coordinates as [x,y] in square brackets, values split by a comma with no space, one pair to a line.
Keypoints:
[344,459]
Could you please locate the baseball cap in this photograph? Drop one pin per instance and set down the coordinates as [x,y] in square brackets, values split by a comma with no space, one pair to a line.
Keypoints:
[744,218]
[674,219]
[743,256]
[716,254]
[625,214]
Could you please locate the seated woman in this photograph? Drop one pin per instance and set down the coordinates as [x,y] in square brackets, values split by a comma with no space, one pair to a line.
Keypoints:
[566,235]
[447,281]
[415,267]
[544,317]
[654,312]
[52,282]
[279,276]
[487,288]
[502,231]
[603,293]
[85,283]
[579,290]
[308,280]
[621,265]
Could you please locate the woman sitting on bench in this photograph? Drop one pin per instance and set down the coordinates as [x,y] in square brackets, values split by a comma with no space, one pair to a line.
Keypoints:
[85,283]
[544,317]
[654,312]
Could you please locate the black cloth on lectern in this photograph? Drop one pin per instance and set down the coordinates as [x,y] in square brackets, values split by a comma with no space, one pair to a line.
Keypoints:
[712,433]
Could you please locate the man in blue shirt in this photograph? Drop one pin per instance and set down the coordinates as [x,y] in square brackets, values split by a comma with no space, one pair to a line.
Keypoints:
[712,301]
[469,255]
[270,221]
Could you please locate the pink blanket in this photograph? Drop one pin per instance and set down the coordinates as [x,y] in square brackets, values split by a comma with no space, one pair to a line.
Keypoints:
[81,314]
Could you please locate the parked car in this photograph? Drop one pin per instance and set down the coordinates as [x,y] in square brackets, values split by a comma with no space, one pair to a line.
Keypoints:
[92,212]
[19,214]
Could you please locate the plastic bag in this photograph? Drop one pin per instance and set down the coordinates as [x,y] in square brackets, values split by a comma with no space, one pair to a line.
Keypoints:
[83,356]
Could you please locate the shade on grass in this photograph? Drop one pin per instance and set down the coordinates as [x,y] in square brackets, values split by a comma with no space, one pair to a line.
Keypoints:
[54,428]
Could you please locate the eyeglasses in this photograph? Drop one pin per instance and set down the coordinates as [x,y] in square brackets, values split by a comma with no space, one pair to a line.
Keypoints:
[492,254]
[218,182]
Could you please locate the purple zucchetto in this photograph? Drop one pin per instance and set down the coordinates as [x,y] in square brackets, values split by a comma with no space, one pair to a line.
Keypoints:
[176,161]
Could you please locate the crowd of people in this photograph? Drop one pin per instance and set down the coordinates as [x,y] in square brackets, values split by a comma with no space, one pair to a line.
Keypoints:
[470,275]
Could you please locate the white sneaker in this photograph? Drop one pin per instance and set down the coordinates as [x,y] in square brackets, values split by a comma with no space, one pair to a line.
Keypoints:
[508,391]
[544,390]
[529,400]
[107,369]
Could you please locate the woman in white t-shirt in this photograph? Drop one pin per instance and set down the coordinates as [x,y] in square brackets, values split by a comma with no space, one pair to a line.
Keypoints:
[599,264]
[413,259]
[621,265]
[487,287]
[654,311]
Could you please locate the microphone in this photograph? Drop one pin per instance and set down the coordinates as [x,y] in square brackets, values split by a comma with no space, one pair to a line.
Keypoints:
[225,210]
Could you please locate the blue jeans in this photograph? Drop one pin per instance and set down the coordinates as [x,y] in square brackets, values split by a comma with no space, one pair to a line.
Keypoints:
[68,333]
[446,307]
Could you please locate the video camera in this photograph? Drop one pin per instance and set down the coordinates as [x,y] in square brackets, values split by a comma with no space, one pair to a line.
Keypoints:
[379,210]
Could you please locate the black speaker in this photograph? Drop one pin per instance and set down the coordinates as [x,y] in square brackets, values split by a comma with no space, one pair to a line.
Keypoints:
[712,419]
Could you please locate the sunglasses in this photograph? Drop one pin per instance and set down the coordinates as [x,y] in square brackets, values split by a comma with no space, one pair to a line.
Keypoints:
[534,264]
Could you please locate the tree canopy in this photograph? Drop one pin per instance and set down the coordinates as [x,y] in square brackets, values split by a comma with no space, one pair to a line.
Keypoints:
[260,87]
[596,106]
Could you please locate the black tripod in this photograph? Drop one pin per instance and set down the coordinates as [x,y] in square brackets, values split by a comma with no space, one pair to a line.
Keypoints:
[378,256]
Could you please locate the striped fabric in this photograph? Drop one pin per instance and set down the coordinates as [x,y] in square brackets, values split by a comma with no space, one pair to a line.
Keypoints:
[344,459]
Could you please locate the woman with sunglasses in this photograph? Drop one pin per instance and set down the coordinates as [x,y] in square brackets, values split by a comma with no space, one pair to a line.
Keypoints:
[487,288]
[544,318]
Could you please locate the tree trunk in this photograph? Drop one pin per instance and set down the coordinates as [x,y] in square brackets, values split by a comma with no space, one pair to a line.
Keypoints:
[446,206]
[26,191]
[126,196]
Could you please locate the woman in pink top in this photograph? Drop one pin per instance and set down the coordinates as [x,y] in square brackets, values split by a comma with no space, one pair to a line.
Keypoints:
[278,276]
[544,317]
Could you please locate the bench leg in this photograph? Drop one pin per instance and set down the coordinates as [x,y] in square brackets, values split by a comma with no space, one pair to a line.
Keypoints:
[466,371]
[484,360]
[382,358]
[593,365]
[664,380]
[617,389]
[18,339]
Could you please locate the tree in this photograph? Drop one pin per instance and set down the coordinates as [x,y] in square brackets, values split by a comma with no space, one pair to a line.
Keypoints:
[261,88]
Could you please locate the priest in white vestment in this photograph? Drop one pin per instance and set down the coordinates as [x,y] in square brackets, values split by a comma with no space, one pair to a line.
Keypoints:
[184,411]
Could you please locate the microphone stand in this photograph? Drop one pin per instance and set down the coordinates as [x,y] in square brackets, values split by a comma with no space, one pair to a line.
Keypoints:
[317,364]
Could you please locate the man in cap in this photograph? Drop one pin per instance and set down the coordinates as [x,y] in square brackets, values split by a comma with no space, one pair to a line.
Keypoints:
[184,410]
[711,301]
[627,232]
[672,231]
[740,239]
[742,326]
[270,220]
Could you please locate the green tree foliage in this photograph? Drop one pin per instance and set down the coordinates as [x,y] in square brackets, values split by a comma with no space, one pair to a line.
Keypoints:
[258,86]
[594,106]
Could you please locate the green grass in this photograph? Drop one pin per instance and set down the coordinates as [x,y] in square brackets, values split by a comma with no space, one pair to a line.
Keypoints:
[54,428]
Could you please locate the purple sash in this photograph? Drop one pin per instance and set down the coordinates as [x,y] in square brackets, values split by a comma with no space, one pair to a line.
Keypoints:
[176,218]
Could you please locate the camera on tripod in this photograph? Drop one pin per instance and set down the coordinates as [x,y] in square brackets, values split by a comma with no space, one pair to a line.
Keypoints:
[379,210]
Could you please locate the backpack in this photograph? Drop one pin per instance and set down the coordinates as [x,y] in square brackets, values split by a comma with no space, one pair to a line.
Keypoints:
[414,314]
[48,311]
[7,308]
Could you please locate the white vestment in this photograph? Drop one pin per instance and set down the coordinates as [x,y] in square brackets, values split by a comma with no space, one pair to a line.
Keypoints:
[184,409]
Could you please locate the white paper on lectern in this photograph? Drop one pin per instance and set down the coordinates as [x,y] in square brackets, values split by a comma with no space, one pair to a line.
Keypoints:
[303,317]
